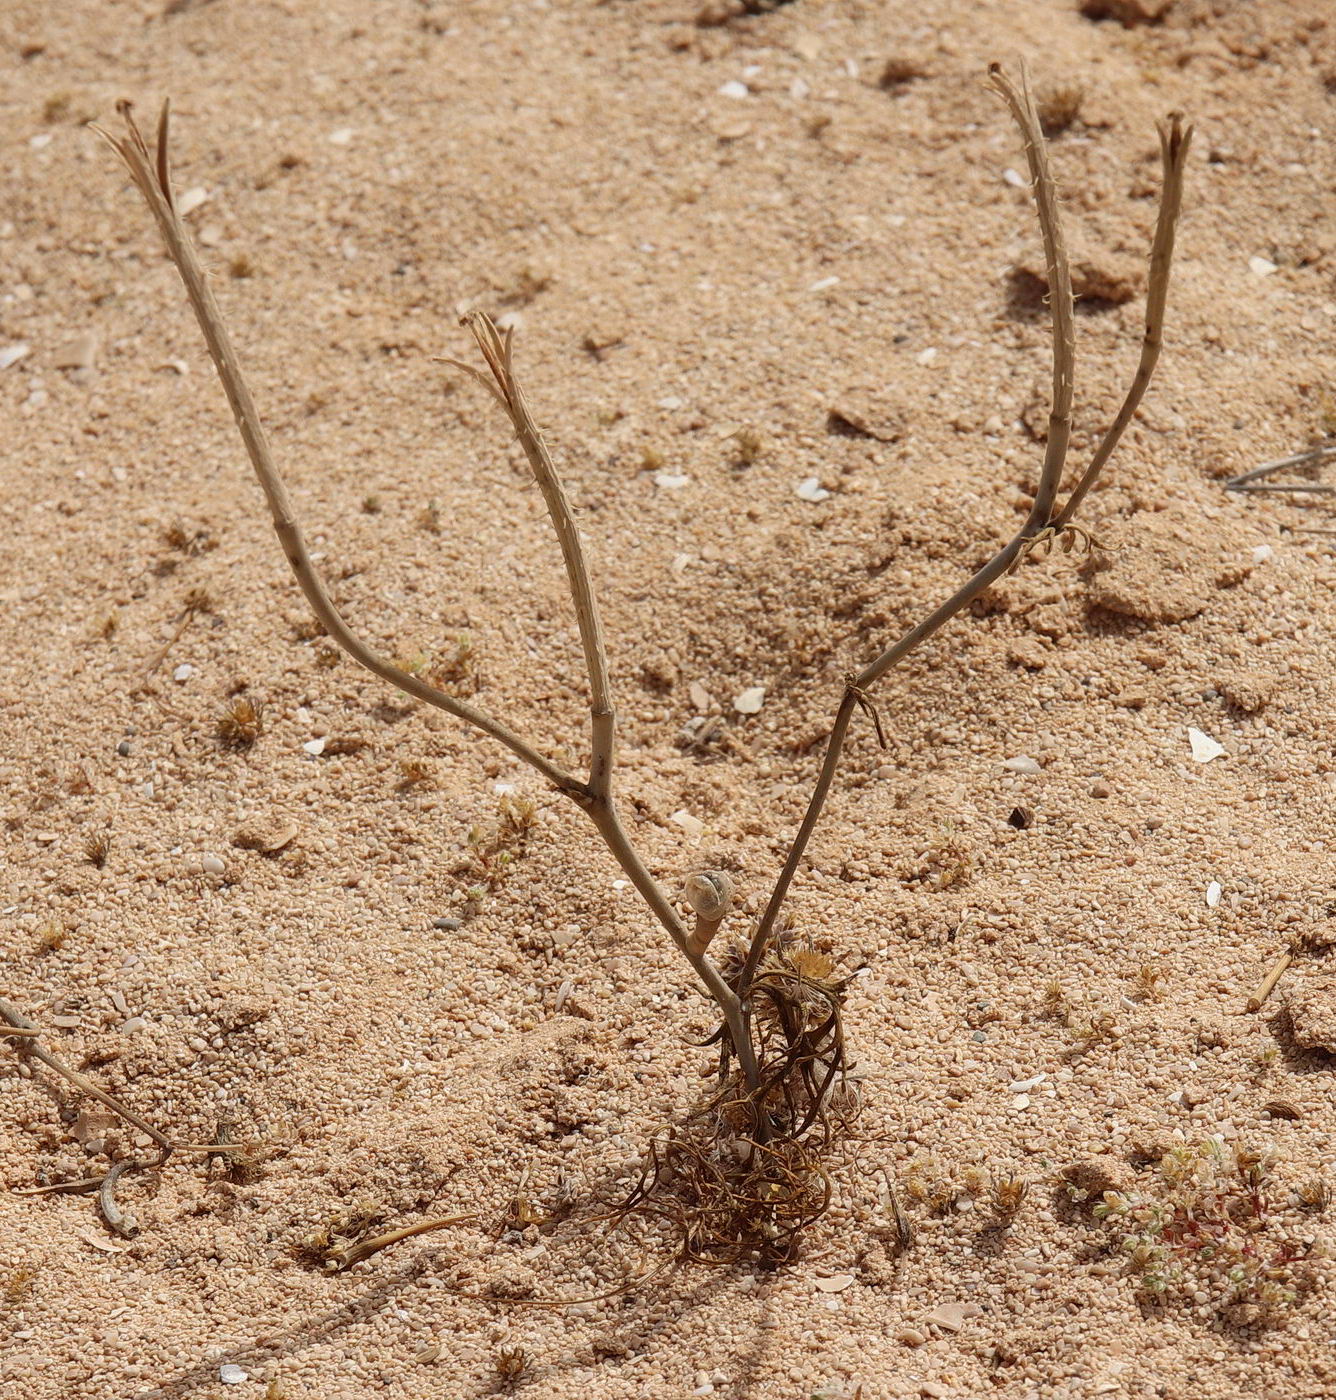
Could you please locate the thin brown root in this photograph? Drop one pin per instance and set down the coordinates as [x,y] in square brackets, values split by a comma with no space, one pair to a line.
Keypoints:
[82,1186]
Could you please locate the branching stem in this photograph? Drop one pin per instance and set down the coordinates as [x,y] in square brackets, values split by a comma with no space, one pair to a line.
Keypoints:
[1173,147]
[152,175]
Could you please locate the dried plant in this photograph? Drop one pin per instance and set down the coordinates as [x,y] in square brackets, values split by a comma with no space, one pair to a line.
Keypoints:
[783,1084]
[241,722]
[512,1365]
[52,935]
[97,847]
[1009,1193]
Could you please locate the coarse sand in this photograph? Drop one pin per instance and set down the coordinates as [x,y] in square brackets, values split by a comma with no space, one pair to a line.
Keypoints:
[779,308]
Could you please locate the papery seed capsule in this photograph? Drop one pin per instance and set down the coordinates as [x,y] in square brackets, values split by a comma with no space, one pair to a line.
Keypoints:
[710,894]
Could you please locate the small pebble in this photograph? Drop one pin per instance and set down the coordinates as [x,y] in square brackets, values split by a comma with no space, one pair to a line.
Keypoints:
[910,1336]
[1014,178]
[12,354]
[1261,267]
[191,200]
[212,865]
[79,353]
[123,748]
[671,481]
[734,89]
[231,1374]
[1262,554]
[950,1316]
[448,925]
[749,702]
[1099,790]
[183,672]
[341,137]
[314,746]
[693,826]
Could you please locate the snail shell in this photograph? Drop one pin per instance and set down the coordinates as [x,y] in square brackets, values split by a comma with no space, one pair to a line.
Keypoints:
[710,894]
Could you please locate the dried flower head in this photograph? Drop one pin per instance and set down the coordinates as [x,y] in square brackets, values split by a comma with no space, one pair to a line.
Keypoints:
[1058,108]
[1149,982]
[51,935]
[1313,1194]
[1009,1193]
[241,723]
[416,772]
[97,847]
[512,1365]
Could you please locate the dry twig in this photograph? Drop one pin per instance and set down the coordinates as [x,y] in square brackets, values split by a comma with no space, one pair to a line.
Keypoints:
[1268,983]
[1253,480]
[18,1024]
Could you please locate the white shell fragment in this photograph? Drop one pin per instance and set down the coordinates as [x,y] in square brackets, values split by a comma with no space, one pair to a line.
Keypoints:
[1261,267]
[1023,1086]
[693,826]
[750,701]
[12,354]
[671,481]
[315,747]
[1204,748]
[183,672]
[951,1316]
[1213,892]
[191,200]
[811,489]
[733,88]
[1023,763]
[834,1283]
[231,1374]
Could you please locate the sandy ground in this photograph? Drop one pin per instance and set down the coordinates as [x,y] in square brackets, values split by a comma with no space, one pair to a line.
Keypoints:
[700,231]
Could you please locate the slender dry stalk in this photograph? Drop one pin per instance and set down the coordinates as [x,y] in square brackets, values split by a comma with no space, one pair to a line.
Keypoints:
[151,172]
[17,1024]
[1253,480]
[1268,983]
[1041,521]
